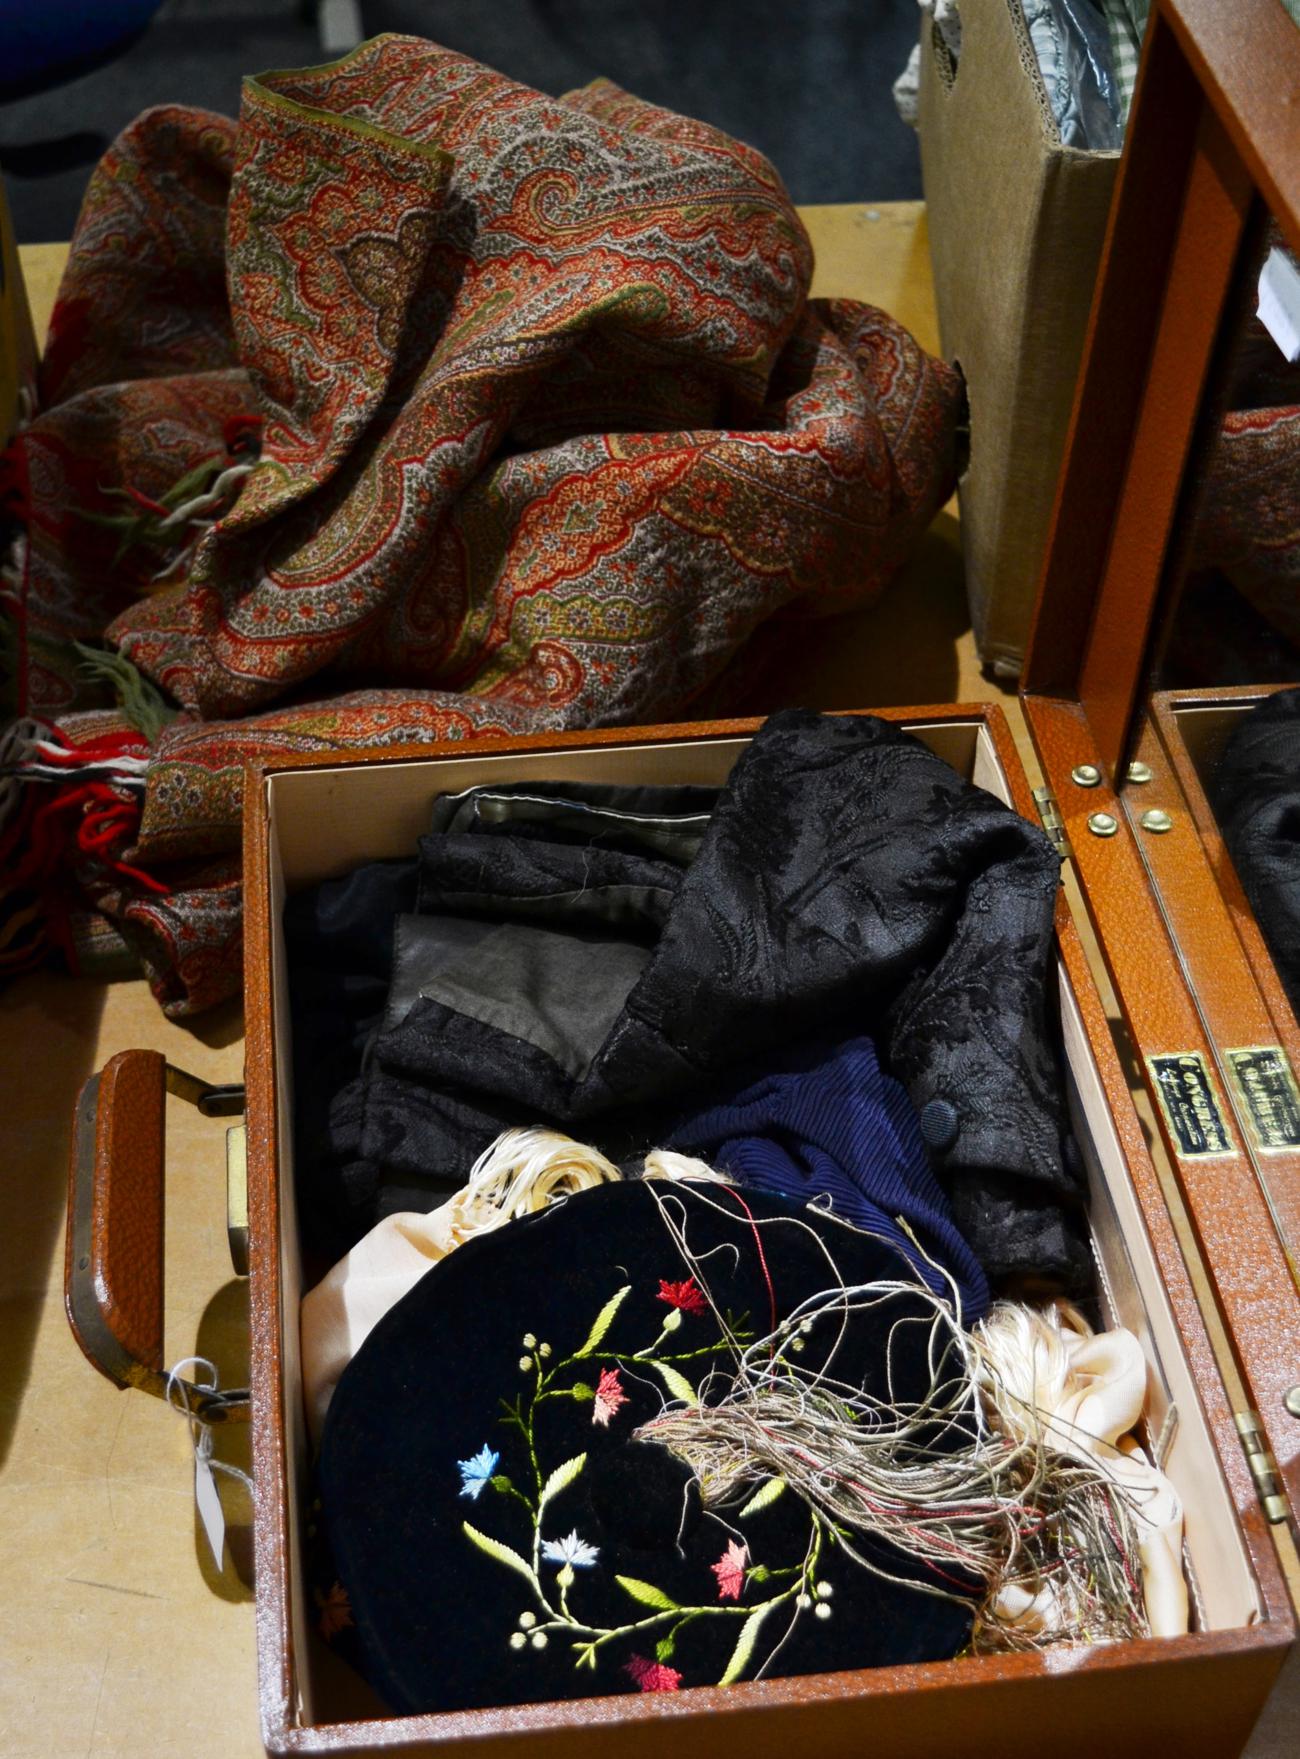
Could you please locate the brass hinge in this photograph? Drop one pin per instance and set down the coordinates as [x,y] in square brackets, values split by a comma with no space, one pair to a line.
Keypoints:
[1263,1467]
[1053,823]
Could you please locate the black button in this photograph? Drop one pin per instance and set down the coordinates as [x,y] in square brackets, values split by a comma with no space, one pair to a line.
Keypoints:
[939,1124]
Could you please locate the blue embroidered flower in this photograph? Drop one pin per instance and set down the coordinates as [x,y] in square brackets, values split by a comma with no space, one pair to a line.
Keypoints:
[475,1473]
[570,1550]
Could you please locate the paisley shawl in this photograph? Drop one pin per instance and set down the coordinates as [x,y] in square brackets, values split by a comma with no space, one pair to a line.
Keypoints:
[548,427]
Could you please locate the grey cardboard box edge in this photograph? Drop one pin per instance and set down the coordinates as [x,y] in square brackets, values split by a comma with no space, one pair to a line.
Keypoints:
[1016,224]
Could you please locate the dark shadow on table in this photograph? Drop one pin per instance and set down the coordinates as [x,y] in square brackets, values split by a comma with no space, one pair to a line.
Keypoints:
[48,1029]
[902,650]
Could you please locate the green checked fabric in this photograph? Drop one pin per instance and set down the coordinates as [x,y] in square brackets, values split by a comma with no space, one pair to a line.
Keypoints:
[1126,21]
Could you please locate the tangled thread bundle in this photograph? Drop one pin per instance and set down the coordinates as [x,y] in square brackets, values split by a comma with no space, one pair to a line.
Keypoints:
[1050,1381]
[1042,1535]
[521,1172]
[525,1170]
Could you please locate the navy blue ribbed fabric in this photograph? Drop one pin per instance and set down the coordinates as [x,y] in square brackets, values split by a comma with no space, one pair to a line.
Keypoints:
[831,1124]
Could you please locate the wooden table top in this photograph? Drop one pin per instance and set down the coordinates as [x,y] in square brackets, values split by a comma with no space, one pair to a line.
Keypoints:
[118,1636]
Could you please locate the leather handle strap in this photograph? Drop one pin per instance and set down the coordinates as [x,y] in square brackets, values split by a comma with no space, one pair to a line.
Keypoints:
[113,1263]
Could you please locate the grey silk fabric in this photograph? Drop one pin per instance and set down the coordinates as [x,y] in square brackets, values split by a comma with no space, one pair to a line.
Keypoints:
[560,990]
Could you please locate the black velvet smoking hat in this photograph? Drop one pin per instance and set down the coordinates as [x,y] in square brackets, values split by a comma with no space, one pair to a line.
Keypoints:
[497,1532]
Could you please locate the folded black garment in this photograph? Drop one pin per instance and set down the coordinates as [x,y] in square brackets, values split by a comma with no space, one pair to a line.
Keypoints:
[664,821]
[358,953]
[1255,792]
[496,1532]
[849,882]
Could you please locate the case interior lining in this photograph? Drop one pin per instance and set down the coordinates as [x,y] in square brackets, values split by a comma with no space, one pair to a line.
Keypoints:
[325,821]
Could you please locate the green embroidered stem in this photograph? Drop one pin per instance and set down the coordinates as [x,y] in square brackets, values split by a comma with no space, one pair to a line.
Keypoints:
[666,1332]
[601,1635]
[798,1581]
[532,1446]
[505,1486]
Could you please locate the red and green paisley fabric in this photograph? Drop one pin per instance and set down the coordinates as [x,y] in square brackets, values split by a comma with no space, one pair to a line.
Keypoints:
[1248,513]
[549,426]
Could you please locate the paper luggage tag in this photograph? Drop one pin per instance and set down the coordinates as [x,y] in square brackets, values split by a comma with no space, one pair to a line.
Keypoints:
[207,1498]
[208,1502]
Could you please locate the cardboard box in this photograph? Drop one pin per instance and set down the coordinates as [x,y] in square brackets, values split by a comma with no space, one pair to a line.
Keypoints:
[1016,228]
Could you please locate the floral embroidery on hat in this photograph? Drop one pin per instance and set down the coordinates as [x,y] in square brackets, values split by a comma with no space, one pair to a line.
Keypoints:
[475,1473]
[570,1550]
[559,1607]
[609,1396]
[652,1676]
[730,1570]
[687,1297]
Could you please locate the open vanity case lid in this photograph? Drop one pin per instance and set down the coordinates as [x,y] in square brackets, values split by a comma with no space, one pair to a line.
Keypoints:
[1212,136]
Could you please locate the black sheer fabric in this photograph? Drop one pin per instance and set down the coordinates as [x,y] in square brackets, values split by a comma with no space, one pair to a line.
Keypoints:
[339,951]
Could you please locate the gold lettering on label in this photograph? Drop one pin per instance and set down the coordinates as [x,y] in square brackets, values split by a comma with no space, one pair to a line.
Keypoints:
[1263,1077]
[1191,1105]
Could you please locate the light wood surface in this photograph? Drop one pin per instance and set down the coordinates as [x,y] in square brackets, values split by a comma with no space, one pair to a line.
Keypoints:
[42,265]
[118,1637]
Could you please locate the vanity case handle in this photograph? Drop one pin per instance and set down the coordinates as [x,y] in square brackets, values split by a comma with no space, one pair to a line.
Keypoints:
[113,1263]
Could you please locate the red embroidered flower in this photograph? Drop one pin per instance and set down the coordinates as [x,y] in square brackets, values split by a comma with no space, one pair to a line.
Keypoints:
[730,1570]
[609,1396]
[652,1676]
[685,1296]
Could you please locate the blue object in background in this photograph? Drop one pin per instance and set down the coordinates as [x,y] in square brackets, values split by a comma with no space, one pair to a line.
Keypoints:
[48,41]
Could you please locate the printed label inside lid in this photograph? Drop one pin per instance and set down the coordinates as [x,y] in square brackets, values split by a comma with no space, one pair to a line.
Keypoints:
[1190,1104]
[1265,1082]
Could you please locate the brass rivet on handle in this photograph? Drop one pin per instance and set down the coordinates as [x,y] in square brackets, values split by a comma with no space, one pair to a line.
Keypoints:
[1156,820]
[1139,772]
[1102,824]
[1292,1400]
[1086,775]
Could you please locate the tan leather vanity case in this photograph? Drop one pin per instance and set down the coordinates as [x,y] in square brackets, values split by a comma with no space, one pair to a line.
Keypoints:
[1186,1200]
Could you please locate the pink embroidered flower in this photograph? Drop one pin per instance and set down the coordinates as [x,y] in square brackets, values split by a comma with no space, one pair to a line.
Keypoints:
[609,1396]
[652,1676]
[686,1297]
[730,1570]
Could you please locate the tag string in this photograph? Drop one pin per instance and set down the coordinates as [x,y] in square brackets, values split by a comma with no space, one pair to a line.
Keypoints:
[178,1397]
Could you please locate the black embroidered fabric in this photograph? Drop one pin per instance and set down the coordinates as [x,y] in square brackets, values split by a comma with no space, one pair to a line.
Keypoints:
[1255,792]
[848,881]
